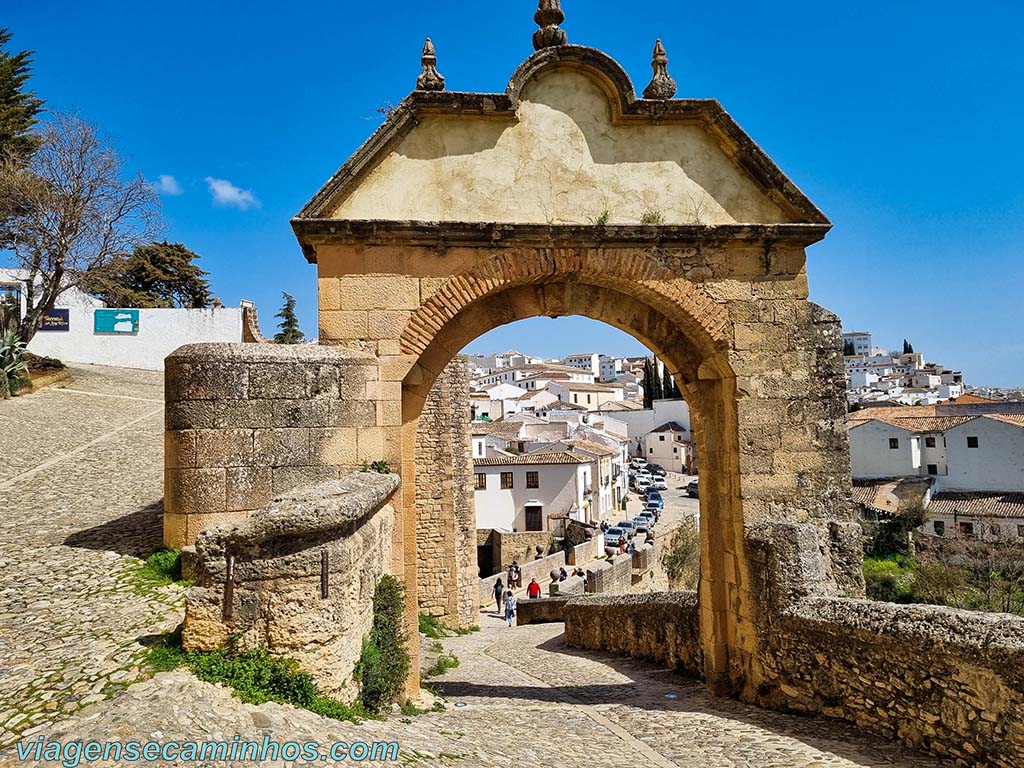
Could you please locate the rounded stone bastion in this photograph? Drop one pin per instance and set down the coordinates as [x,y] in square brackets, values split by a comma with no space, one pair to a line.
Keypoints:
[246,423]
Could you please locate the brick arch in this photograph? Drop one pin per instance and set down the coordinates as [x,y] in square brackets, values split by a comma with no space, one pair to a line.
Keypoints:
[677,320]
[702,319]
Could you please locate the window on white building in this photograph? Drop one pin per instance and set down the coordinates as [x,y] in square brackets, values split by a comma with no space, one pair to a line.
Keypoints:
[929,442]
[894,443]
[506,481]
[972,442]
[481,482]
[933,469]
[939,527]
[533,479]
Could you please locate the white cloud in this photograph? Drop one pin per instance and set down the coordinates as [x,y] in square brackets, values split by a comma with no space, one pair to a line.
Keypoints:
[168,185]
[226,193]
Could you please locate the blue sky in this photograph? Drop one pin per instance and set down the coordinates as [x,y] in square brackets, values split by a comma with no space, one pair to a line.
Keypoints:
[901,120]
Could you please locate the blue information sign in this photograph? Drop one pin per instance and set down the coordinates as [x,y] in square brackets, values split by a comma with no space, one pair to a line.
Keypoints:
[116,321]
[55,320]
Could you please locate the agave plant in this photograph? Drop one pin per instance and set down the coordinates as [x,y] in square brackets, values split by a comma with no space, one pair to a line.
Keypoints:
[12,363]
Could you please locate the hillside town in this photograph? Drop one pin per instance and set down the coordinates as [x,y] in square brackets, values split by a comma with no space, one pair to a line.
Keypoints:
[554,440]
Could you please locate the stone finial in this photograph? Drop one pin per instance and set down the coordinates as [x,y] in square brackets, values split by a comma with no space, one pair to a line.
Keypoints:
[662,86]
[430,79]
[548,16]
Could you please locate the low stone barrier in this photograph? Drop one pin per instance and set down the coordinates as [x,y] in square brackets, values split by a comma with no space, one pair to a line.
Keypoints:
[544,610]
[297,577]
[585,552]
[662,627]
[573,585]
[947,681]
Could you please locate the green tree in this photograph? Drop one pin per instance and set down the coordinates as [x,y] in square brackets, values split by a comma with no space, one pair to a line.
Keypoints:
[18,106]
[908,348]
[848,348]
[155,275]
[666,382]
[649,384]
[289,325]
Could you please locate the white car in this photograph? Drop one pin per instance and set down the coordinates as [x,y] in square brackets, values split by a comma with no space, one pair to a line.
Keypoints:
[643,483]
[659,484]
[638,463]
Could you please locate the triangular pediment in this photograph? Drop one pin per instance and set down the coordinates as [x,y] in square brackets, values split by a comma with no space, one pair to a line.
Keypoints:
[567,144]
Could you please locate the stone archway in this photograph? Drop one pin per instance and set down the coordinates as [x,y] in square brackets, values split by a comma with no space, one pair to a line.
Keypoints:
[469,211]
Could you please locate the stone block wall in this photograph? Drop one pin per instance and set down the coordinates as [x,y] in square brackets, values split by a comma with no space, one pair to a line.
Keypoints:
[446,536]
[947,681]
[609,577]
[661,627]
[247,422]
[571,586]
[304,570]
[543,610]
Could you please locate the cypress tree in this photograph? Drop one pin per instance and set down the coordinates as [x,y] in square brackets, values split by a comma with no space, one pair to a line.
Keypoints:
[289,325]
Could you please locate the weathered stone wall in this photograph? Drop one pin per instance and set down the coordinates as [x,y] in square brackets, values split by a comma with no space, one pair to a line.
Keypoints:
[446,568]
[247,422]
[947,681]
[662,627]
[304,570]
[543,610]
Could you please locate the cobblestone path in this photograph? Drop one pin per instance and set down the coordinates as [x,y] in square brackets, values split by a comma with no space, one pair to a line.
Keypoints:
[80,490]
[71,618]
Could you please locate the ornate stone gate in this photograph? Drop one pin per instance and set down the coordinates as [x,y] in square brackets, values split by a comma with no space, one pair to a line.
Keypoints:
[568,195]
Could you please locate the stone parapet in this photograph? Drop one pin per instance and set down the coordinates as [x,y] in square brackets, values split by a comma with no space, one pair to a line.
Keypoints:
[573,585]
[662,627]
[247,422]
[944,680]
[538,569]
[543,610]
[297,577]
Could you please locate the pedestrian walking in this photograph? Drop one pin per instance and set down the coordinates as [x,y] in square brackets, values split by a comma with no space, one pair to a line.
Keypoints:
[510,607]
[499,591]
[515,575]
[533,590]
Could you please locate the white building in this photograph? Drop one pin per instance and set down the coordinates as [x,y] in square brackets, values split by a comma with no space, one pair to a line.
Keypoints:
[589,396]
[611,368]
[671,446]
[861,342]
[520,493]
[586,361]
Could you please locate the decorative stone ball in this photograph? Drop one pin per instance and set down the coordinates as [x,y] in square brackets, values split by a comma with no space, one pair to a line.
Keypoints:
[555,574]
[540,551]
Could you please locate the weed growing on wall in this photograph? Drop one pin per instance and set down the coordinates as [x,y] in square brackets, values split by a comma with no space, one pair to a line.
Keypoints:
[161,568]
[384,663]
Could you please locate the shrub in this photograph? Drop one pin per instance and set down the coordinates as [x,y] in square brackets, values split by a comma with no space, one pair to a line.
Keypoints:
[12,364]
[652,217]
[384,663]
[890,579]
[432,627]
[681,560]
[161,568]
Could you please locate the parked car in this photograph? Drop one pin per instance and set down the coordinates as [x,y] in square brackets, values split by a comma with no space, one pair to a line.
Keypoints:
[613,537]
[628,526]
[637,463]
[659,483]
[655,497]
[642,483]
[656,469]
[645,520]
[691,490]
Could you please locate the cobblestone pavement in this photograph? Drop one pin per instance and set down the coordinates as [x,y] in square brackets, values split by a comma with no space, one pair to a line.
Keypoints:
[71,617]
[80,486]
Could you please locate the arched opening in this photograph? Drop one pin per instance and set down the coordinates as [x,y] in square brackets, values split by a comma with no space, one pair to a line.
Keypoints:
[699,365]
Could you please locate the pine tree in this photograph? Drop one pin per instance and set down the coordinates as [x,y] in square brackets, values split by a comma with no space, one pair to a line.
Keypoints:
[289,325]
[155,275]
[18,107]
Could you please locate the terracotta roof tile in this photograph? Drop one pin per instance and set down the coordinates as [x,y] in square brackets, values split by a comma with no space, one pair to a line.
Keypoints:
[978,503]
[532,458]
